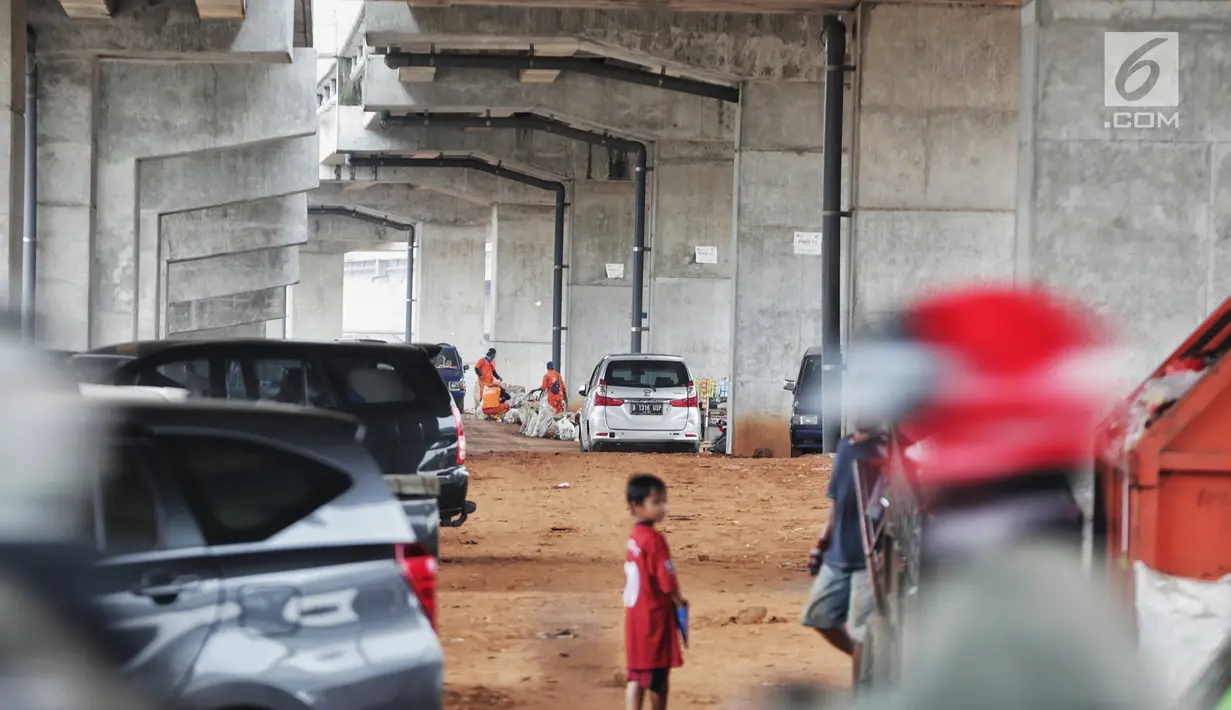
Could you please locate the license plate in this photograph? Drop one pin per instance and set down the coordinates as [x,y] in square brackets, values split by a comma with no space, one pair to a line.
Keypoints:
[647,408]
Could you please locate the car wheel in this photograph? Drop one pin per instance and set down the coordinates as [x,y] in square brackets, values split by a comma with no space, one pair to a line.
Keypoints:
[696,448]
[581,441]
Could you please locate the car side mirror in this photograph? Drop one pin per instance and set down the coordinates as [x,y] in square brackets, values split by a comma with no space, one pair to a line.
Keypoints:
[788,385]
[581,391]
[465,368]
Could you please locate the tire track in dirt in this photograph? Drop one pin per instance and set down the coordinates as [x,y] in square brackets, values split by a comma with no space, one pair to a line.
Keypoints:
[537,560]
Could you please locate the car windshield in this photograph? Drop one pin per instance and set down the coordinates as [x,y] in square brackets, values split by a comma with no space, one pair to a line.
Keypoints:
[653,374]
[809,374]
[447,359]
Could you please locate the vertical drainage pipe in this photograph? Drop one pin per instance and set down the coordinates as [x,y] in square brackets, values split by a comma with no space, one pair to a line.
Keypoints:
[831,233]
[557,283]
[29,236]
[410,283]
[638,324]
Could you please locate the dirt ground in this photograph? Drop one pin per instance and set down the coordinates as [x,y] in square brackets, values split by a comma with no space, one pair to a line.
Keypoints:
[539,560]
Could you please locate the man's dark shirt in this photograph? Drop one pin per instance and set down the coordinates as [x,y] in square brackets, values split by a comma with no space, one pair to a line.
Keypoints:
[846,541]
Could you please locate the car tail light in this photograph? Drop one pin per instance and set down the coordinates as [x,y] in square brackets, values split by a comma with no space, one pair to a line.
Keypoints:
[419,567]
[461,435]
[690,400]
[602,400]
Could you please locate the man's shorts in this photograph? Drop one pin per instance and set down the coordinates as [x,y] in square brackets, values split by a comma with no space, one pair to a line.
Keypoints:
[839,598]
[654,681]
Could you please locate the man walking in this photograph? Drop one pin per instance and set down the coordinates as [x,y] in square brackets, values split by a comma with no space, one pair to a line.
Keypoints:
[841,599]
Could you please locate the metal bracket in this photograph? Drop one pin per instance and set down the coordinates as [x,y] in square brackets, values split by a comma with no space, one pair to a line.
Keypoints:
[640,329]
[559,328]
[840,213]
[560,267]
[641,249]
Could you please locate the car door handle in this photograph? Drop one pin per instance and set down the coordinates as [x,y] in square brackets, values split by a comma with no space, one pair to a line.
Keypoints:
[163,590]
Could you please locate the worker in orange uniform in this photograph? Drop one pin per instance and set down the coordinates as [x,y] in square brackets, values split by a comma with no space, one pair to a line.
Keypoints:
[553,385]
[495,401]
[485,371]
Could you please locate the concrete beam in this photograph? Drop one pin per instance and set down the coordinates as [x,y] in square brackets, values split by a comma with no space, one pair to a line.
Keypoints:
[221,9]
[169,31]
[642,112]
[700,44]
[92,9]
[710,6]
[469,185]
[348,129]
[403,201]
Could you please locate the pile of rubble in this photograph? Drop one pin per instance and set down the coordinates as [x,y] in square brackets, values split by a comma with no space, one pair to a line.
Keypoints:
[537,419]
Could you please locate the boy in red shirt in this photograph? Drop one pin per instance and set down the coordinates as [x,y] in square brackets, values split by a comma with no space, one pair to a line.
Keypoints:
[651,596]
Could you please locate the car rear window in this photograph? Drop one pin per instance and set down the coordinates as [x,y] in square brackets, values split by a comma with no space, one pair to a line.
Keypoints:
[405,380]
[95,369]
[654,374]
[242,492]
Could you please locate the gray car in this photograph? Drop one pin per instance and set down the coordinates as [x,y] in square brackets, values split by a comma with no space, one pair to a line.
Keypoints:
[255,558]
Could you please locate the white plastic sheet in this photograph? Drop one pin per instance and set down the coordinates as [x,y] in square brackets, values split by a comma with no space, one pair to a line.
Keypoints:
[1181,623]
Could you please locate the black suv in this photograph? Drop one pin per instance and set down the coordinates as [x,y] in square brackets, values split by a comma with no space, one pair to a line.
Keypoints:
[806,424]
[411,422]
[253,558]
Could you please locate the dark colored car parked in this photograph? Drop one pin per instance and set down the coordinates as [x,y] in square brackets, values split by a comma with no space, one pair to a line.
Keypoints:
[806,409]
[452,370]
[252,557]
[411,422]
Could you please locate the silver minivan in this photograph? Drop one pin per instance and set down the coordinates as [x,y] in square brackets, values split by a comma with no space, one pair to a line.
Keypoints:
[645,401]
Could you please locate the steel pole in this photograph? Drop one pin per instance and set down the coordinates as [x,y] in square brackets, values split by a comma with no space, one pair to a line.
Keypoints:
[557,284]
[410,284]
[831,233]
[638,323]
[29,236]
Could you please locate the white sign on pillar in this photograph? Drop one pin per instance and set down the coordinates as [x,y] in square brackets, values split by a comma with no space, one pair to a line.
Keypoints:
[707,255]
[615,271]
[808,243]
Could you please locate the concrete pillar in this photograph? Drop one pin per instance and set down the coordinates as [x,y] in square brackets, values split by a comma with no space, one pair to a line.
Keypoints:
[67,89]
[776,307]
[598,303]
[691,302]
[521,291]
[12,144]
[450,284]
[316,300]
[936,157]
[1136,221]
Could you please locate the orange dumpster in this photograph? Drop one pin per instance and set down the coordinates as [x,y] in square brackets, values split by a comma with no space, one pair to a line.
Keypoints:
[1163,465]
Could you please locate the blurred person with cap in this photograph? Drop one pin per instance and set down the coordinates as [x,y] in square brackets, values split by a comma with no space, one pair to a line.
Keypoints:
[994,394]
[553,387]
[57,648]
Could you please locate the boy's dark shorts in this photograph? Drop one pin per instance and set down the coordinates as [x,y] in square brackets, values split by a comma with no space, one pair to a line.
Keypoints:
[654,680]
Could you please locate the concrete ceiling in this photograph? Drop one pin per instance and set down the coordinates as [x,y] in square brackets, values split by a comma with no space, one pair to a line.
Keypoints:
[206,9]
[750,6]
